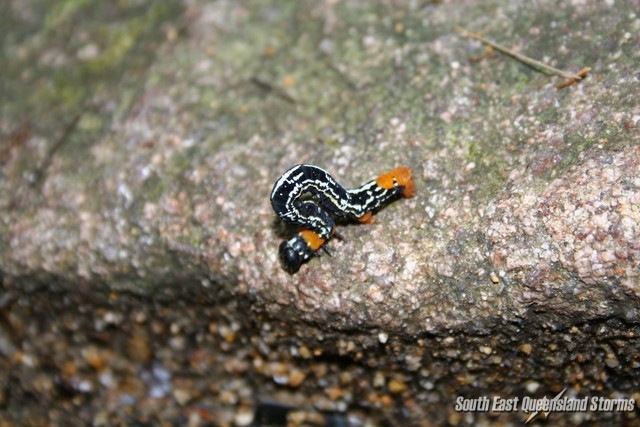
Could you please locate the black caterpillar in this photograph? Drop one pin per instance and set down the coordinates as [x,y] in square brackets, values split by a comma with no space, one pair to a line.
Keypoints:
[307,196]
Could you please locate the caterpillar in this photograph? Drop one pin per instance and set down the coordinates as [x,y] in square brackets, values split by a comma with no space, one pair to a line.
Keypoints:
[309,197]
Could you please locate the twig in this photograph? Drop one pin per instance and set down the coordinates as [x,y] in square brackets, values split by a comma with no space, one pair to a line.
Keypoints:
[488,53]
[582,73]
[40,172]
[269,88]
[525,59]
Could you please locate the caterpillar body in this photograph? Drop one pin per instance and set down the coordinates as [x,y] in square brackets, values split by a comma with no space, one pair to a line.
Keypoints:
[309,197]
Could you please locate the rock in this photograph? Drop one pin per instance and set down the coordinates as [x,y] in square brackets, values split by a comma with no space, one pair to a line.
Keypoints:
[396,386]
[136,231]
[182,396]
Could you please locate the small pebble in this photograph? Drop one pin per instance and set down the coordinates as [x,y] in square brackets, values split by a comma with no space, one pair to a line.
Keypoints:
[243,417]
[397,386]
[181,396]
[101,419]
[383,337]
[296,377]
[532,386]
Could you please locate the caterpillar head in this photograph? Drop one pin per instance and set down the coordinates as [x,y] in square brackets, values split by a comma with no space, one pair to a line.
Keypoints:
[290,259]
[298,249]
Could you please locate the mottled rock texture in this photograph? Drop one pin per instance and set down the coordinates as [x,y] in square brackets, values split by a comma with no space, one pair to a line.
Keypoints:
[141,141]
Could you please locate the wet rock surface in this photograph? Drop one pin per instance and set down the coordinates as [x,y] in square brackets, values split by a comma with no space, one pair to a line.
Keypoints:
[140,279]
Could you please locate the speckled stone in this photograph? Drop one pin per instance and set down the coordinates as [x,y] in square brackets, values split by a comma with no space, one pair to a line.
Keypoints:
[138,250]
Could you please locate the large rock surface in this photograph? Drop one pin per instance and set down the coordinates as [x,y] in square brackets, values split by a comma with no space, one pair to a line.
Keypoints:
[141,143]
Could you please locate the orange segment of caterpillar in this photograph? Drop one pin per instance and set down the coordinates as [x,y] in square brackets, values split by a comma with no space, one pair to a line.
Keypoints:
[367,218]
[313,241]
[400,176]
[309,197]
